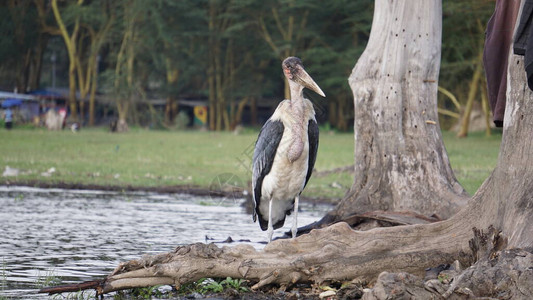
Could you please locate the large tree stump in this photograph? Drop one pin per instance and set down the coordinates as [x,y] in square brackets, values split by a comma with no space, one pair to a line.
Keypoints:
[400,159]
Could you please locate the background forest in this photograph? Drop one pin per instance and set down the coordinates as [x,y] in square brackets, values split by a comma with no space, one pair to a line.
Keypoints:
[227,53]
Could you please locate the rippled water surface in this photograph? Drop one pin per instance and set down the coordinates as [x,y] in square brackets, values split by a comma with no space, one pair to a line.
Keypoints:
[82,235]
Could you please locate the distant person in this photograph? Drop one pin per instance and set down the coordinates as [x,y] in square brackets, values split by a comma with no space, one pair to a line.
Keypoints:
[8,118]
[63,115]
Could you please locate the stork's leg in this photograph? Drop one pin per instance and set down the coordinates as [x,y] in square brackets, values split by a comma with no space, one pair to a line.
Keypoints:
[294,228]
[270,230]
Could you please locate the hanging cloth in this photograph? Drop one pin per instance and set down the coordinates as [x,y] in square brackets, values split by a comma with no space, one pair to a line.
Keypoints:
[523,36]
[498,40]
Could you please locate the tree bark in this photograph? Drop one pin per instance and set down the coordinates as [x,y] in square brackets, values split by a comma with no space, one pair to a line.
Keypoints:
[400,159]
[253,111]
[218,116]
[171,106]
[123,82]
[486,111]
[237,118]
[71,45]
[88,70]
[341,114]
[92,95]
[474,87]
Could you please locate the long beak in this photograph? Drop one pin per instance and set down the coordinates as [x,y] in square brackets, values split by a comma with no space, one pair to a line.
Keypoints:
[304,79]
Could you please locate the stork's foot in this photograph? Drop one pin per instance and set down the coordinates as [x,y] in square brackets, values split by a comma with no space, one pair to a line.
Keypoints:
[270,225]
[327,220]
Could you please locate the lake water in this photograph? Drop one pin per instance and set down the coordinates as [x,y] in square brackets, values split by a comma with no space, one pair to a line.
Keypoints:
[77,235]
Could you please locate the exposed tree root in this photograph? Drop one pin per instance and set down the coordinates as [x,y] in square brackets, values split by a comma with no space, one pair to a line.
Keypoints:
[507,275]
[336,253]
[372,219]
[331,255]
[502,274]
[87,285]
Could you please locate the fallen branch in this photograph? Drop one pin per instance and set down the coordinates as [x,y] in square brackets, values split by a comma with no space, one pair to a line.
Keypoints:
[72,288]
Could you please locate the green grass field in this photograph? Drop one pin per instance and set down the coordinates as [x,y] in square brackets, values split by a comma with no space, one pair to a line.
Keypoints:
[164,158]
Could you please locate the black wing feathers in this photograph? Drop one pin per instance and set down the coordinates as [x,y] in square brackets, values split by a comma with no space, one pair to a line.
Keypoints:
[264,153]
[312,131]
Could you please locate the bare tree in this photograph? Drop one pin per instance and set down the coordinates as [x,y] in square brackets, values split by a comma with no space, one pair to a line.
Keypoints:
[400,159]
[71,43]
[339,253]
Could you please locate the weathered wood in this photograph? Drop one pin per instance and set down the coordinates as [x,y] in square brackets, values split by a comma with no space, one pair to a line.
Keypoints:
[394,218]
[336,253]
[71,288]
[400,160]
[506,275]
[374,219]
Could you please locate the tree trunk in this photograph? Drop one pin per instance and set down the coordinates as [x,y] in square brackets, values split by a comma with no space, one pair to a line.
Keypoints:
[485,106]
[70,43]
[37,62]
[123,87]
[171,106]
[213,111]
[72,92]
[219,93]
[253,111]
[400,159]
[237,118]
[474,87]
[123,108]
[171,109]
[92,95]
[332,113]
[341,115]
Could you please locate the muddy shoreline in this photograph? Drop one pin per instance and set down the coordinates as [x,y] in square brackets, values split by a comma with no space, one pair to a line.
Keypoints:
[169,189]
[184,189]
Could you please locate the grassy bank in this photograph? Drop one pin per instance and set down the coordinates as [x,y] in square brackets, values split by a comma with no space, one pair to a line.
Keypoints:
[163,158]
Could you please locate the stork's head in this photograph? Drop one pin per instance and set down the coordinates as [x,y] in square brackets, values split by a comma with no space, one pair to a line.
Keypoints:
[293,69]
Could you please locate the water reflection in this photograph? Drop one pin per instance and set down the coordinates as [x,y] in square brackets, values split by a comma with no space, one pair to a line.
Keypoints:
[83,235]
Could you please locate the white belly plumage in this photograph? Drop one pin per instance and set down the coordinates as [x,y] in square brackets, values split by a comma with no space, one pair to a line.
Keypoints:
[285,181]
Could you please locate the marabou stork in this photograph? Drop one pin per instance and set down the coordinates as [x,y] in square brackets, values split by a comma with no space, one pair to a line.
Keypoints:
[285,152]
